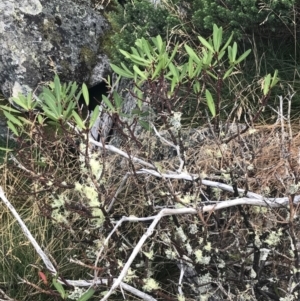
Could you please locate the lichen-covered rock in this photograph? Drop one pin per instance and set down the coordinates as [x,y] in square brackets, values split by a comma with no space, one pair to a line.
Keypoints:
[40,37]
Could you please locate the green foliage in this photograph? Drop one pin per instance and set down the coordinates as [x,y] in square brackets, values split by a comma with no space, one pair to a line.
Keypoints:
[56,105]
[139,18]
[180,20]
[206,67]
[242,16]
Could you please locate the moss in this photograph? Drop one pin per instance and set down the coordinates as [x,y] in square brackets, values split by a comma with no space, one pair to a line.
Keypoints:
[87,56]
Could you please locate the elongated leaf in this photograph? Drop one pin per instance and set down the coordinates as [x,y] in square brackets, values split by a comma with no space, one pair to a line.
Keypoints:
[125,53]
[79,121]
[87,295]
[85,93]
[50,115]
[158,69]
[220,55]
[12,128]
[266,86]
[134,52]
[9,109]
[108,103]
[190,67]
[158,42]
[198,70]
[173,54]
[139,72]
[141,61]
[30,103]
[227,43]
[6,149]
[192,54]
[174,70]
[21,101]
[228,73]
[212,75]
[118,101]
[94,116]
[58,286]
[147,49]
[121,72]
[145,125]
[125,68]
[40,119]
[68,112]
[210,103]
[196,87]
[206,44]
[275,79]
[57,88]
[217,37]
[25,120]
[243,56]
[12,118]
[234,52]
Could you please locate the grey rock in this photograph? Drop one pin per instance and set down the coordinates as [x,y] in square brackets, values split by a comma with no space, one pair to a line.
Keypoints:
[41,37]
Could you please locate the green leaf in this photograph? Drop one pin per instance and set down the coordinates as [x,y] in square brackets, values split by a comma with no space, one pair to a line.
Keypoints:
[126,69]
[243,56]
[25,120]
[139,60]
[196,87]
[217,37]
[190,67]
[68,112]
[85,93]
[118,101]
[50,115]
[228,73]
[125,53]
[146,47]
[58,286]
[158,69]
[12,128]
[108,103]
[40,119]
[220,55]
[87,295]
[10,109]
[206,44]
[50,101]
[173,54]
[57,88]
[275,79]
[192,54]
[210,103]
[21,101]
[145,125]
[139,72]
[198,70]
[6,149]
[266,84]
[212,75]
[174,70]
[158,42]
[227,43]
[12,118]
[79,121]
[233,52]
[94,116]
[121,72]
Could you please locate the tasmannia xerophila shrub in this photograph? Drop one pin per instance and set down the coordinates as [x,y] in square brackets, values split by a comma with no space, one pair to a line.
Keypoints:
[212,254]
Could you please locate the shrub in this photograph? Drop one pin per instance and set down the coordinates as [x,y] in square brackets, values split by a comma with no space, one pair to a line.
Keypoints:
[183,192]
